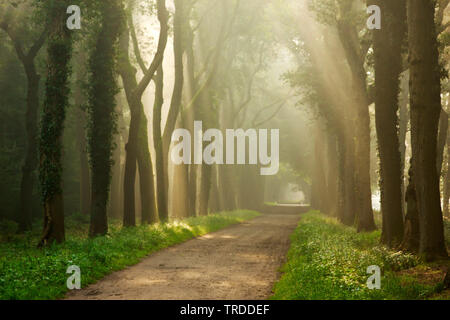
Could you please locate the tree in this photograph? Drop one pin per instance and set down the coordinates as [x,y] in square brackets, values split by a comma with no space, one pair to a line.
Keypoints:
[57,91]
[157,138]
[425,104]
[134,92]
[27,58]
[355,55]
[388,43]
[179,25]
[102,118]
[411,236]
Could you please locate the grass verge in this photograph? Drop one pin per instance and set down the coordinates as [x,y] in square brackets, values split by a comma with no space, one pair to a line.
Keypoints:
[30,273]
[329,261]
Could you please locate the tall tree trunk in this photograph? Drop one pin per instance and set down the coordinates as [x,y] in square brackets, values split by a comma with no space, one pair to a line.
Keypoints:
[411,236]
[442,140]
[146,179]
[332,173]
[59,50]
[179,186]
[192,113]
[425,104]
[388,43]
[157,141]
[102,104]
[361,120]
[341,181]
[115,194]
[350,206]
[318,189]
[446,190]
[134,91]
[31,124]
[29,167]
[365,220]
[403,128]
[177,94]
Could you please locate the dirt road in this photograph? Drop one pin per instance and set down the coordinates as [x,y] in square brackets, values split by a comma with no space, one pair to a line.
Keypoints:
[238,262]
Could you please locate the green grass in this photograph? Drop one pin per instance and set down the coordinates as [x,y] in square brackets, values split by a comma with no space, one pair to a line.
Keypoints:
[30,273]
[329,261]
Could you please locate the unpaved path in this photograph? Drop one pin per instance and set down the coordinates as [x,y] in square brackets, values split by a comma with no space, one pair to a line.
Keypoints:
[238,262]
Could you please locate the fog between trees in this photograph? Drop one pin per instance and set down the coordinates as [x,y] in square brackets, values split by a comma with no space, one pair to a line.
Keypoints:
[87,115]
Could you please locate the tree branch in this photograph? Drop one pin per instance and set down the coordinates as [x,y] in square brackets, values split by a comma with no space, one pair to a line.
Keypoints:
[159,55]
[136,49]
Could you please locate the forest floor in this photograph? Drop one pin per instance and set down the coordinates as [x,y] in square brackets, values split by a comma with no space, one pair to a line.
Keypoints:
[27,272]
[238,262]
[328,260]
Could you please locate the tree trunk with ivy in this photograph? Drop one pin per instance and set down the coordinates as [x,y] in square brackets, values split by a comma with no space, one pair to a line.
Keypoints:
[59,50]
[102,120]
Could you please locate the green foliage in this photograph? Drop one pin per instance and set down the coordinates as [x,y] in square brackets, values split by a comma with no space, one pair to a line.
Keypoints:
[30,273]
[7,229]
[329,261]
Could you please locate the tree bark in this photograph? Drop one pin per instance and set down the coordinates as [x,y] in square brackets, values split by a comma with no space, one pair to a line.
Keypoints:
[388,65]
[102,114]
[319,184]
[341,181]
[157,139]
[332,173]
[361,120]
[350,206]
[442,140]
[446,190]
[146,179]
[59,52]
[115,194]
[402,130]
[411,236]
[425,104]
